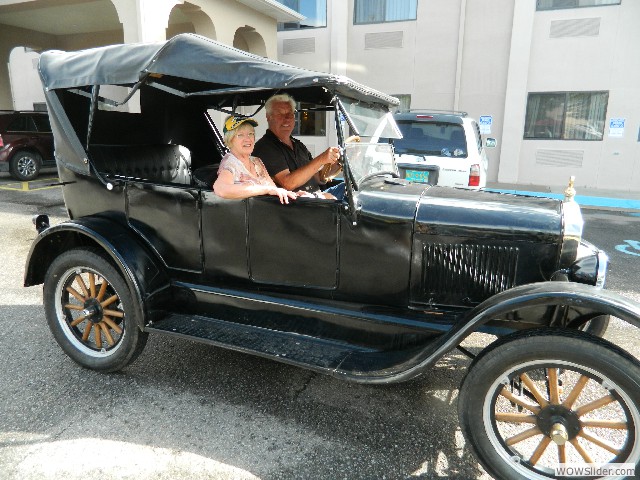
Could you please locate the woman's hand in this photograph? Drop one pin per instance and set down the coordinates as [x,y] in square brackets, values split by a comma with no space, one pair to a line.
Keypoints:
[283,194]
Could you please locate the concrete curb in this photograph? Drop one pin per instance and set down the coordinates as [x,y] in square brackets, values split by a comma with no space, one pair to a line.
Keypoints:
[582,200]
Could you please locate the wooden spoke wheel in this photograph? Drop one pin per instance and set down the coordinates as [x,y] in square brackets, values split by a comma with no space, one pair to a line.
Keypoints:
[90,311]
[535,402]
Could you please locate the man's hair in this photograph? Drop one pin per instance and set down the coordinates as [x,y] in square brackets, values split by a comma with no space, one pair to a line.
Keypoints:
[281,97]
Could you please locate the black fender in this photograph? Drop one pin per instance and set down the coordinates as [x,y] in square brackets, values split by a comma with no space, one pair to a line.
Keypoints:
[141,268]
[599,301]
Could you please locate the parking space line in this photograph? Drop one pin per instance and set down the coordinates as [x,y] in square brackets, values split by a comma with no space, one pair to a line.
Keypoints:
[27,187]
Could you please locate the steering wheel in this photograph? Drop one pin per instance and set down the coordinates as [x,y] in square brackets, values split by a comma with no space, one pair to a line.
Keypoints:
[329,171]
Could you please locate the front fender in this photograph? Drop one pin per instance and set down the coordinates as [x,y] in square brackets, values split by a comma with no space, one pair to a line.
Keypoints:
[535,294]
[143,271]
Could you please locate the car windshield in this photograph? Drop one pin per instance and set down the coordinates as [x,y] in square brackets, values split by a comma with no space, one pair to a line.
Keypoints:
[370,159]
[370,120]
[431,138]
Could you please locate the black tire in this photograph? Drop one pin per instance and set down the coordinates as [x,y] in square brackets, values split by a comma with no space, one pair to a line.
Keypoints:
[598,326]
[497,408]
[89,309]
[25,166]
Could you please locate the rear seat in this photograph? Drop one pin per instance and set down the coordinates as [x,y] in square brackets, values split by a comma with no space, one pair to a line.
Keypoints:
[163,163]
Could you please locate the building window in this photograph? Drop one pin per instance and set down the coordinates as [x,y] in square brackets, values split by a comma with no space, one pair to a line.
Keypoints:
[566,115]
[379,11]
[405,102]
[314,10]
[309,122]
[560,4]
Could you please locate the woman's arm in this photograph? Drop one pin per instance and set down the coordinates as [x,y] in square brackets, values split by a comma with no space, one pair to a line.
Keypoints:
[225,187]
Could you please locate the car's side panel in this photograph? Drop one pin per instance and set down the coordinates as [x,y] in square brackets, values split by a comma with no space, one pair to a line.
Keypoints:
[168,217]
[294,244]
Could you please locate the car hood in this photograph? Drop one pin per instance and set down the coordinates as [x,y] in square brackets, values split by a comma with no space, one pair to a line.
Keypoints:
[452,212]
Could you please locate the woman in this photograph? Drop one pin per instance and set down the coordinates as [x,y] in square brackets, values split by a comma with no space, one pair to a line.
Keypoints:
[240,174]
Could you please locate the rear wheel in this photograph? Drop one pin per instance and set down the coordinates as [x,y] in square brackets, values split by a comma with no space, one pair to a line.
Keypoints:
[535,400]
[90,311]
[25,166]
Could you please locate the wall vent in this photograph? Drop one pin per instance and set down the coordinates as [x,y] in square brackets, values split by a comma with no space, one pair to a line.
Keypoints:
[577,27]
[299,45]
[560,158]
[383,40]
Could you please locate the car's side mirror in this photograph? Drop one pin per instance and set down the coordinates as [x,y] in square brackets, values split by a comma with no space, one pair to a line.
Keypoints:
[490,142]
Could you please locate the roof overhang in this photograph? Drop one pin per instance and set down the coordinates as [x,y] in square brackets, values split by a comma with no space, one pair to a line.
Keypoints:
[274,9]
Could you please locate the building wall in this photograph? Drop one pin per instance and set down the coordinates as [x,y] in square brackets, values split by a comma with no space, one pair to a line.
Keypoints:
[484,58]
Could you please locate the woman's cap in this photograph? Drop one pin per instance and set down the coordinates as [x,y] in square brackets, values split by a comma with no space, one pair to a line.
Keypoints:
[234,122]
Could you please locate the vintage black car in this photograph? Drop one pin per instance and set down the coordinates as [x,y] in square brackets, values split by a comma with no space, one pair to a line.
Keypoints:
[374,288]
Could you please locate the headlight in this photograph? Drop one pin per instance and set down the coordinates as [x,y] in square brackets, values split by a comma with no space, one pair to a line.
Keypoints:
[572,233]
[590,268]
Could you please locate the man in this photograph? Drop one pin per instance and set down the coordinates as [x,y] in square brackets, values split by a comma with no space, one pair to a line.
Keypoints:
[287,159]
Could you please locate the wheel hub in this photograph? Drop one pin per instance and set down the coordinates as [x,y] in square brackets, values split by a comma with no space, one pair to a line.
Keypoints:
[92,310]
[559,423]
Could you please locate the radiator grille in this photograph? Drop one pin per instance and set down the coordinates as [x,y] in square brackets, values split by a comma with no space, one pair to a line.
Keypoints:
[469,273]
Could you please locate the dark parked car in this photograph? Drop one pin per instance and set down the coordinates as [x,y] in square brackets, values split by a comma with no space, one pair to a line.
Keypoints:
[374,288]
[26,143]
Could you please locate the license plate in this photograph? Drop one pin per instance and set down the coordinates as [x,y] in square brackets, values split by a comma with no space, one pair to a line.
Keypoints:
[421,176]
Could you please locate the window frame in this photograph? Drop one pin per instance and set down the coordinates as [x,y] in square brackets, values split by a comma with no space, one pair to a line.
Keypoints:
[296,26]
[563,120]
[355,13]
[546,9]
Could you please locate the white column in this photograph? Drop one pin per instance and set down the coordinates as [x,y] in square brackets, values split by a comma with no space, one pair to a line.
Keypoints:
[515,104]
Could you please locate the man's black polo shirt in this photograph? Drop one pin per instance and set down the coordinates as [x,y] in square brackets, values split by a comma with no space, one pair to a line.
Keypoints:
[277,157]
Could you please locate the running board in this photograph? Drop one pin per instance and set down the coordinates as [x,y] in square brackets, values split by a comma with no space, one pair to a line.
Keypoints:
[304,351]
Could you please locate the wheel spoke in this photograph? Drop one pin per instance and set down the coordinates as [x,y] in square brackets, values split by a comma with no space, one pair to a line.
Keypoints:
[83,287]
[523,436]
[539,451]
[109,301]
[73,292]
[515,418]
[113,313]
[73,307]
[78,321]
[580,450]
[576,391]
[562,454]
[114,326]
[97,336]
[589,407]
[534,390]
[598,441]
[103,289]
[87,331]
[92,284]
[107,334]
[552,378]
[616,424]
[512,398]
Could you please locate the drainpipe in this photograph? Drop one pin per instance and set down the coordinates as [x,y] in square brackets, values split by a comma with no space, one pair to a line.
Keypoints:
[461,28]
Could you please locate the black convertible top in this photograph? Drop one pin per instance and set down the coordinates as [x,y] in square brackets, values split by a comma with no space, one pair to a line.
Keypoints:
[193,57]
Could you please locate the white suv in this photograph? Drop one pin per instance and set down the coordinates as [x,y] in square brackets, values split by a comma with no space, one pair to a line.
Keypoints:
[441,149]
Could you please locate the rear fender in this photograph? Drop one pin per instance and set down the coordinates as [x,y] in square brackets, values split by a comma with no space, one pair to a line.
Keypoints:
[142,270]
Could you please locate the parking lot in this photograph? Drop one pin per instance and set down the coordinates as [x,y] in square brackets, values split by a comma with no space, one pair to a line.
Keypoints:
[189,411]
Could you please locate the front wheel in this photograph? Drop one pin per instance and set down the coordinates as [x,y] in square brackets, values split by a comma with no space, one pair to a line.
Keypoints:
[25,166]
[90,311]
[535,402]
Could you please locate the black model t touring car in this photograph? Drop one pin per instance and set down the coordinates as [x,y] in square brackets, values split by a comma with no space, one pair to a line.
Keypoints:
[374,288]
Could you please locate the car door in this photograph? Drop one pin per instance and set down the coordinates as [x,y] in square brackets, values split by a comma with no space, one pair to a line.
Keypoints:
[262,242]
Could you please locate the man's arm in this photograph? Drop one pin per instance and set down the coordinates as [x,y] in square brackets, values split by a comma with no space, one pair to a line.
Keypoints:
[292,180]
